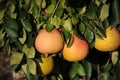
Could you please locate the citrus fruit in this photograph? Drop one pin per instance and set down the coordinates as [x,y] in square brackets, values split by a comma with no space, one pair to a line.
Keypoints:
[49,42]
[109,43]
[46,65]
[77,51]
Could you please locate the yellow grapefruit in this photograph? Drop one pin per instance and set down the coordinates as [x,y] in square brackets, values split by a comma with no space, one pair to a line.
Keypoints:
[46,65]
[110,43]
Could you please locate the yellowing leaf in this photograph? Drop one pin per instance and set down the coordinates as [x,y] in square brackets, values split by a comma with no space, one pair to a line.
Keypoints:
[2,14]
[23,39]
[29,52]
[68,24]
[16,58]
[104,13]
[32,66]
[114,57]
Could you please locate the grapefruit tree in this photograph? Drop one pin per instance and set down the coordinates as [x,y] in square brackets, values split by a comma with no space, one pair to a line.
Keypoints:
[74,33]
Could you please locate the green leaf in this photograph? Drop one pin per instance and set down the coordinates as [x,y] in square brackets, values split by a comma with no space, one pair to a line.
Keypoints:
[66,34]
[62,2]
[68,25]
[49,27]
[59,12]
[115,57]
[82,27]
[71,39]
[2,14]
[16,58]
[89,35]
[25,68]
[74,20]
[88,69]
[91,12]
[12,24]
[82,10]
[104,13]
[56,21]
[23,38]
[32,66]
[26,24]
[11,32]
[29,52]
[51,8]
[43,4]
[81,70]
[73,71]
[2,34]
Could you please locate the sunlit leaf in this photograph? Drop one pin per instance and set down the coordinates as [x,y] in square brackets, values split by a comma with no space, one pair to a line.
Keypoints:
[56,21]
[32,66]
[62,2]
[50,8]
[82,10]
[2,14]
[104,13]
[114,57]
[16,58]
[29,52]
[74,20]
[23,38]
[68,24]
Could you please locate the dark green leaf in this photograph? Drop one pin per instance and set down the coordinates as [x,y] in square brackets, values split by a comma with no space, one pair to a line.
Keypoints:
[73,71]
[66,34]
[88,69]
[71,39]
[89,35]
[12,24]
[49,27]
[91,12]
[26,24]
[59,12]
[11,32]
[81,71]
[82,27]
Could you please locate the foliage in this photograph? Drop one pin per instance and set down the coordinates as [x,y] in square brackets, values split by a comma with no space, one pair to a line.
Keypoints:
[21,20]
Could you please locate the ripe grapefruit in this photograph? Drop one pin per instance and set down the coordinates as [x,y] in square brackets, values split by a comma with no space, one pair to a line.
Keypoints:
[49,42]
[77,51]
[110,43]
[46,65]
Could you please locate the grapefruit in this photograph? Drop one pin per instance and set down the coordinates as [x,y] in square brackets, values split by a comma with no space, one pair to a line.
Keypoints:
[77,51]
[49,42]
[46,65]
[109,43]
